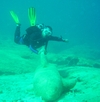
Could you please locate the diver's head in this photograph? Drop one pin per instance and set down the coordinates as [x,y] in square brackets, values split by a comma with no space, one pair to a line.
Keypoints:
[47,31]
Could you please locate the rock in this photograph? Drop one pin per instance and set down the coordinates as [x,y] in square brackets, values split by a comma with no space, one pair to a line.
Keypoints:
[49,84]
[68,83]
[96,65]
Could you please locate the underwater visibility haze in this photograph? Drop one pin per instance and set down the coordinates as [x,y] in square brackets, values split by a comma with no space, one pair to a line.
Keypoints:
[73,66]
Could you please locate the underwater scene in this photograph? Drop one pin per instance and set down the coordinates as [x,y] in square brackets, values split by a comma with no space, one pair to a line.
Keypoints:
[50,51]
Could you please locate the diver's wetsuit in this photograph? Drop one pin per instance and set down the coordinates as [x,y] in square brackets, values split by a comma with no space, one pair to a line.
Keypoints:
[33,39]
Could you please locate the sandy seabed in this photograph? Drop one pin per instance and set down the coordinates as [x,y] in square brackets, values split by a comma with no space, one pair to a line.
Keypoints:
[17,65]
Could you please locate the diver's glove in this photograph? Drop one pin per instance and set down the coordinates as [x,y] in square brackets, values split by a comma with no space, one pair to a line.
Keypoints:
[43,50]
[65,40]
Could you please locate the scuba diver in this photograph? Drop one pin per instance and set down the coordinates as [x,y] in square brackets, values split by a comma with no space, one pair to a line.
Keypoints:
[37,35]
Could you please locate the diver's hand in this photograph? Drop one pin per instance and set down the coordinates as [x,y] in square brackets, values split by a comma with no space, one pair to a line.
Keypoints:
[65,40]
[42,51]
[45,52]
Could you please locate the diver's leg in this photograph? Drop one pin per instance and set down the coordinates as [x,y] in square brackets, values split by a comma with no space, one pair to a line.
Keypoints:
[17,38]
[17,34]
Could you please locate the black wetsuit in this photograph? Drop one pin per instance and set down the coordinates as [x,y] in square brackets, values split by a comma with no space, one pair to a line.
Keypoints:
[33,38]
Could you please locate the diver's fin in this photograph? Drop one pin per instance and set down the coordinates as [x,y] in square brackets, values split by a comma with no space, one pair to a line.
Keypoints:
[15,17]
[32,16]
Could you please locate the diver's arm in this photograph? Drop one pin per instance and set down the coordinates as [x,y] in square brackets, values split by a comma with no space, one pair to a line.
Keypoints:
[54,38]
